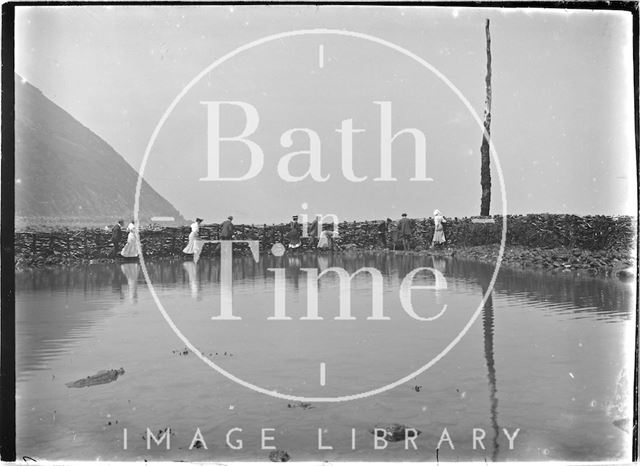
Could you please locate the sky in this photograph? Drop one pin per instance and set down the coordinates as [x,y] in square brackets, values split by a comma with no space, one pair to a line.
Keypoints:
[562,110]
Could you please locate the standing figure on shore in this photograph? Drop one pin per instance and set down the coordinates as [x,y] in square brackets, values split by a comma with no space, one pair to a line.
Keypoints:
[294,233]
[327,240]
[383,230]
[226,229]
[192,247]
[312,232]
[116,236]
[405,230]
[131,248]
[438,233]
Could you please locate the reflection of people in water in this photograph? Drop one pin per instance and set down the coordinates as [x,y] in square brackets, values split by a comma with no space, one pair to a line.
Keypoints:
[192,273]
[439,263]
[116,284]
[293,270]
[131,271]
[323,262]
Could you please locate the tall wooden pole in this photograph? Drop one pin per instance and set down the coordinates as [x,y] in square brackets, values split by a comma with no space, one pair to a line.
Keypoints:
[485,168]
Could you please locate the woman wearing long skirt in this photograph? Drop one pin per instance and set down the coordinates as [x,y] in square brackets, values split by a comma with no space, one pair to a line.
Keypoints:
[328,240]
[131,248]
[438,234]
[192,246]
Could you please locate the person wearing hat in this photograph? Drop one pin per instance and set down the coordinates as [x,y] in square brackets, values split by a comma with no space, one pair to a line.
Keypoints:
[192,246]
[405,229]
[294,233]
[131,247]
[116,236]
[312,233]
[438,233]
[226,229]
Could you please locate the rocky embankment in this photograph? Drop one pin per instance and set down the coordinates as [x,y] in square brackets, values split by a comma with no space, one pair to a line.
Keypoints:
[566,242]
[607,263]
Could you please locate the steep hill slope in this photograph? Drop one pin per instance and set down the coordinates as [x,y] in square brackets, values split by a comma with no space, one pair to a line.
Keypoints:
[66,174]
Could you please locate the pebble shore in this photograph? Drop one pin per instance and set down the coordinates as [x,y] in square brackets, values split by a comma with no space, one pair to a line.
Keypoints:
[606,263]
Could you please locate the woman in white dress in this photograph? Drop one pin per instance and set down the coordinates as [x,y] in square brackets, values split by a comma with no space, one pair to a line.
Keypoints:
[438,233]
[327,240]
[131,248]
[192,247]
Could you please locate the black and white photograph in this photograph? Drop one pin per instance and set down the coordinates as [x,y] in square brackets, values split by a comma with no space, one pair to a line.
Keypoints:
[334,233]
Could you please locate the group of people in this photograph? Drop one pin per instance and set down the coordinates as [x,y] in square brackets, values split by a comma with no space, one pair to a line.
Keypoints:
[325,239]
[226,233]
[321,240]
[130,248]
[404,231]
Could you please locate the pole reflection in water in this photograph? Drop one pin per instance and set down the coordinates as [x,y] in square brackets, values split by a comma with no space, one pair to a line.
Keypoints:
[488,327]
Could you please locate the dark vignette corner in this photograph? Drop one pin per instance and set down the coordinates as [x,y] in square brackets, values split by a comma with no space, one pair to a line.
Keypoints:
[7,314]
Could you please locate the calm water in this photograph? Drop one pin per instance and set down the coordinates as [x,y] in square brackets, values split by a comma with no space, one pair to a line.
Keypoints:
[550,354]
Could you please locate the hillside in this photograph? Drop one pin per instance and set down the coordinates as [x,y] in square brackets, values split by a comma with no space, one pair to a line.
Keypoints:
[68,175]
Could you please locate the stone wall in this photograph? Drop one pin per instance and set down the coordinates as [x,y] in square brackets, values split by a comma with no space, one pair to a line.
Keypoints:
[592,233]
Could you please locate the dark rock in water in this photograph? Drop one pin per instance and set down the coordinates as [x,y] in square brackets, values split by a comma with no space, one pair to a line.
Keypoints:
[622,424]
[161,432]
[300,404]
[279,456]
[393,432]
[100,378]
[626,274]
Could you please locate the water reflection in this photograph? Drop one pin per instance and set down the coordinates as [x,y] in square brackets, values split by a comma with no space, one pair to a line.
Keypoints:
[573,294]
[57,306]
[569,294]
[131,272]
[488,332]
[62,312]
[192,272]
[116,281]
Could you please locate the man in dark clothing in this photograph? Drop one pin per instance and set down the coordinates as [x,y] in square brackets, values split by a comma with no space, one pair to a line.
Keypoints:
[116,236]
[294,233]
[383,230]
[405,230]
[312,233]
[226,229]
